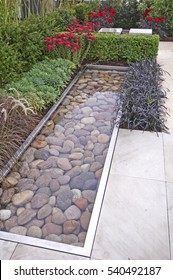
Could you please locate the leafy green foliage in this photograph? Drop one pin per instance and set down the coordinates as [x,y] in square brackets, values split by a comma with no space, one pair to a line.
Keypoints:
[8,11]
[43,84]
[22,45]
[165,8]
[128,48]
[143,97]
[61,18]
[82,10]
[144,5]
[160,8]
[128,15]
[11,63]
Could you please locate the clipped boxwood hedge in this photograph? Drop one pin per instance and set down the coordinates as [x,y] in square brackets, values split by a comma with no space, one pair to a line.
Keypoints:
[128,48]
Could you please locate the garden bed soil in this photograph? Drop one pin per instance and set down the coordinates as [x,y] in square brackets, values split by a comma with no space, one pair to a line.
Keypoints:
[167,39]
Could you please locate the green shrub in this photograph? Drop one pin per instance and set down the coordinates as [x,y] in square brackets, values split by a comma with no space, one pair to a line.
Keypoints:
[11,63]
[128,48]
[165,8]
[43,84]
[127,14]
[160,8]
[82,10]
[22,45]
[61,18]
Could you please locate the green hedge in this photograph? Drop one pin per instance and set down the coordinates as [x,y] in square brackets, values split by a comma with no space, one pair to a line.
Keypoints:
[128,48]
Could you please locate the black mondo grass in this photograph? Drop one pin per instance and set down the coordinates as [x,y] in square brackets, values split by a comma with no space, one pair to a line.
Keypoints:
[143,98]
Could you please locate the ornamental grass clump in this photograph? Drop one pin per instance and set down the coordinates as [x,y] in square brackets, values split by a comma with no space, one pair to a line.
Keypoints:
[17,121]
[143,97]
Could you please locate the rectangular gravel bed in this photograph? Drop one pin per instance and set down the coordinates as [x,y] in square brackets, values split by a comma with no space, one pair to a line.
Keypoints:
[52,198]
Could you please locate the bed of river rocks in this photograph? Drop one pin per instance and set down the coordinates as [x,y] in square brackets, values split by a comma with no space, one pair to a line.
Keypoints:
[50,193]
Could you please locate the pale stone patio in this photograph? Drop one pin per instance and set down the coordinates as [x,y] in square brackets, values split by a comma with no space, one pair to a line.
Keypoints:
[136,220]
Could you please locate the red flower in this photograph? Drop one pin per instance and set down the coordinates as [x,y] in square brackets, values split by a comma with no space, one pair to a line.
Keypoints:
[162,19]
[100,14]
[93,14]
[147,12]
[50,47]
[106,10]
[48,40]
[70,40]
[109,20]
[150,19]
[157,20]
[68,46]
[112,12]
[60,42]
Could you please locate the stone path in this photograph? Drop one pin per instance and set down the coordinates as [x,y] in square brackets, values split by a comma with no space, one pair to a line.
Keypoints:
[51,192]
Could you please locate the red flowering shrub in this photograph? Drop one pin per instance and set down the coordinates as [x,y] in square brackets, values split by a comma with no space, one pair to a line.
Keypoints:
[103,17]
[157,24]
[147,12]
[78,36]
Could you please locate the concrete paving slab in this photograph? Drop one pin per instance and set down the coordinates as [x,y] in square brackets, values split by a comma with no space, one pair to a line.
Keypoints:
[6,249]
[139,154]
[25,252]
[168,156]
[170,214]
[133,222]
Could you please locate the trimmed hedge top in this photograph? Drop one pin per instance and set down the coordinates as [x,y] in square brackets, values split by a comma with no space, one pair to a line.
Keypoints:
[128,48]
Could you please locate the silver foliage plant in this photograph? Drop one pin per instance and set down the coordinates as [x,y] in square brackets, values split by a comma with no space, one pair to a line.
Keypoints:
[143,98]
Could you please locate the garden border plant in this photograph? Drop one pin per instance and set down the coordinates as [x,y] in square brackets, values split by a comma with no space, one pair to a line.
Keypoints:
[126,48]
[17,121]
[157,24]
[143,98]
[43,84]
